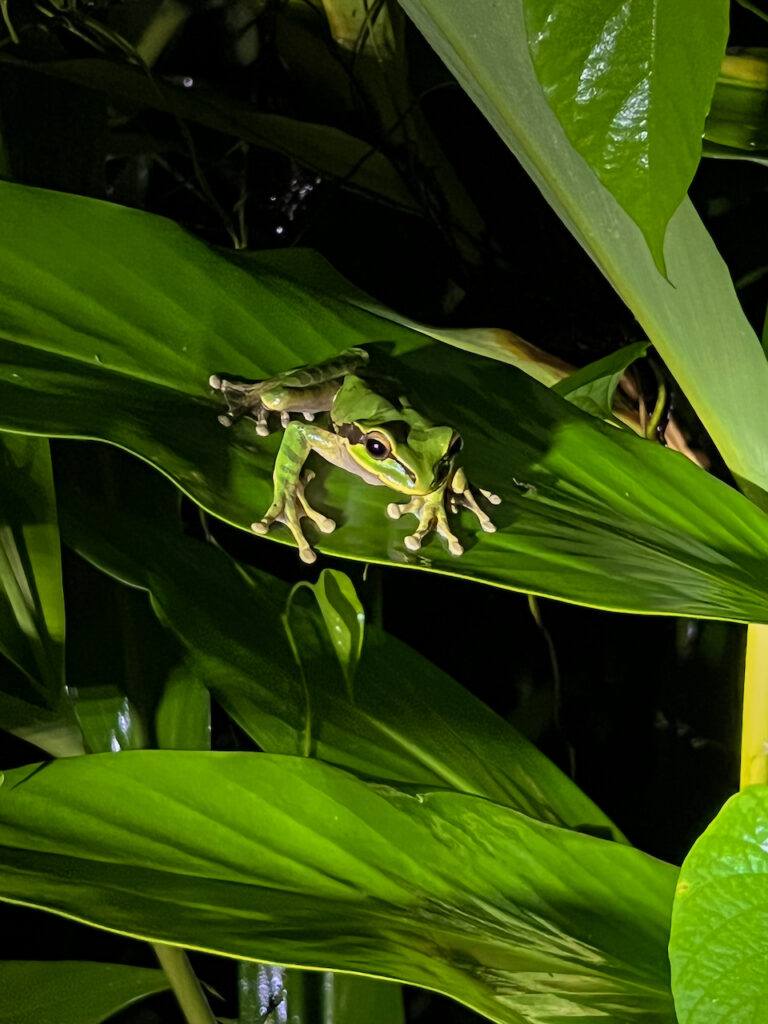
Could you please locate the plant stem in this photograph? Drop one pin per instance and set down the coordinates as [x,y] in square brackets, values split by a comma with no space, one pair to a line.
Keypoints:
[754,731]
[184,983]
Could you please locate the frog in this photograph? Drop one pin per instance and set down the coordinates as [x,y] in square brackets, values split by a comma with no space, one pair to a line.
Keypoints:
[384,441]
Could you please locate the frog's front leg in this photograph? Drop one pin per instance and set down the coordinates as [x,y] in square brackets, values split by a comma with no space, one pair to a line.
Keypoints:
[289,502]
[432,512]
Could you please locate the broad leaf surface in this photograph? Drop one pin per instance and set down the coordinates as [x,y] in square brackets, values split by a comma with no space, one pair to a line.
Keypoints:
[720,919]
[288,860]
[71,991]
[409,721]
[484,44]
[113,332]
[631,84]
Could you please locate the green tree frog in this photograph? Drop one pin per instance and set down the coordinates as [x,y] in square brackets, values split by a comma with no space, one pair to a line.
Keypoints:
[366,434]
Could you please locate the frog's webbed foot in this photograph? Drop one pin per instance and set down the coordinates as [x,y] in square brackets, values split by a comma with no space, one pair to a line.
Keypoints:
[289,508]
[243,398]
[257,399]
[432,512]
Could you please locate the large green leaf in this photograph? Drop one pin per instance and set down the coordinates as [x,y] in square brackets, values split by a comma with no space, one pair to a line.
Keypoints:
[407,720]
[71,991]
[695,322]
[112,334]
[720,919]
[631,84]
[291,861]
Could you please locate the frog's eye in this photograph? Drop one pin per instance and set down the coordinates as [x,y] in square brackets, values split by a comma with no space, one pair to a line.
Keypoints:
[377,446]
[456,445]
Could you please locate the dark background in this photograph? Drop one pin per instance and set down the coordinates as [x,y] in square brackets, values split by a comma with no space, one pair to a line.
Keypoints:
[645,714]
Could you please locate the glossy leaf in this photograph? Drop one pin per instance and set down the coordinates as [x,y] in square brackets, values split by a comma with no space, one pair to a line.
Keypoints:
[631,84]
[327,150]
[592,388]
[720,917]
[588,514]
[484,45]
[270,994]
[71,991]
[287,860]
[408,721]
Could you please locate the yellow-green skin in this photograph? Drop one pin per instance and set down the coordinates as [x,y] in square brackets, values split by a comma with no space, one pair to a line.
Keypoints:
[384,444]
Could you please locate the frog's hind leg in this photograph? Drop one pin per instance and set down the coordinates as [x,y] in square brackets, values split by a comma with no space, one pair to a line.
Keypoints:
[306,390]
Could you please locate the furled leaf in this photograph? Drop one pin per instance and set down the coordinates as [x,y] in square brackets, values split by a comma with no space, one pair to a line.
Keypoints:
[720,917]
[408,721]
[736,123]
[631,84]
[183,720]
[270,994]
[484,45]
[287,860]
[344,619]
[592,388]
[113,332]
[71,991]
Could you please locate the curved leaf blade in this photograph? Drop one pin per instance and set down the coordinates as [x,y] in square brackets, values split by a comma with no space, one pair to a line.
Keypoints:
[71,991]
[484,45]
[720,917]
[588,514]
[631,84]
[409,721]
[290,861]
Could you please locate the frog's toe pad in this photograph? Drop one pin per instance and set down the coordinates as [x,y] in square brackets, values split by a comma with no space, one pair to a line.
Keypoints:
[488,526]
[260,527]
[214,381]
[412,543]
[326,525]
[225,420]
[490,496]
[393,510]
[307,555]
[455,547]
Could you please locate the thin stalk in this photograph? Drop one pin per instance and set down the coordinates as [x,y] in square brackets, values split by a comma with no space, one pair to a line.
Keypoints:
[754,732]
[186,987]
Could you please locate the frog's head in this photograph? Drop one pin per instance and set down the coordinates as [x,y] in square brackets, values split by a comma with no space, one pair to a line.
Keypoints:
[409,459]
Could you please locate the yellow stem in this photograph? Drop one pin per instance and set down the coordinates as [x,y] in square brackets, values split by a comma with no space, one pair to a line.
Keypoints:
[754,732]
[186,987]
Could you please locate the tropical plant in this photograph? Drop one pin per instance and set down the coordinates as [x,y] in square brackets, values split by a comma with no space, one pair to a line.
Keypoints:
[243,758]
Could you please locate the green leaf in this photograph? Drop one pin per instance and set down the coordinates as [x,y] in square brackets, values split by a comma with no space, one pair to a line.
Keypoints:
[592,388]
[409,721]
[589,514]
[71,991]
[486,49]
[287,860]
[183,719]
[332,152]
[31,598]
[344,619]
[631,85]
[270,994]
[720,917]
[31,601]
